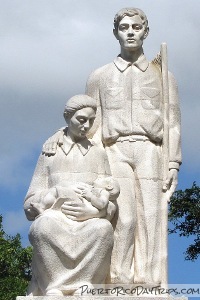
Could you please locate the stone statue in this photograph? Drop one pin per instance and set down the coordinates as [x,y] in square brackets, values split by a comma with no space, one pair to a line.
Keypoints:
[69,202]
[129,94]
[140,132]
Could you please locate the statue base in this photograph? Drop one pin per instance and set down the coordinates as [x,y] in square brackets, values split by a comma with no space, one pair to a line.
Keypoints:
[97,297]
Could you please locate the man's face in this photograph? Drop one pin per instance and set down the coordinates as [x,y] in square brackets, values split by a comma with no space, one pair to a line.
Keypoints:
[81,122]
[131,33]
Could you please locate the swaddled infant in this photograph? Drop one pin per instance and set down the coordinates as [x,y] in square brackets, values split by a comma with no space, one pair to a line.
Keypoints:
[103,190]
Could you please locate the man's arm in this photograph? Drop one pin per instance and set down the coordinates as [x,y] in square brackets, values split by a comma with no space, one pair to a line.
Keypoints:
[92,90]
[175,158]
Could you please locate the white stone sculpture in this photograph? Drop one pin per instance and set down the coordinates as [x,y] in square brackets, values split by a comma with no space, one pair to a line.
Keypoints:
[69,203]
[132,112]
[138,122]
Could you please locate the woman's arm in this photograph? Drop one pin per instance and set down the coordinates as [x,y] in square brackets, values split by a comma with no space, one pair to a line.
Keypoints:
[37,191]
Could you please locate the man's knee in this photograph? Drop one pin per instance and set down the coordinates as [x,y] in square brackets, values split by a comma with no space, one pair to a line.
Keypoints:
[127,223]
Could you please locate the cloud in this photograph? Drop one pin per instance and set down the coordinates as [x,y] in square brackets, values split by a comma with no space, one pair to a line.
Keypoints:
[49,48]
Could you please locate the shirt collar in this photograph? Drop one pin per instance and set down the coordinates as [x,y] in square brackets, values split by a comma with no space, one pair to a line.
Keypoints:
[122,64]
[84,145]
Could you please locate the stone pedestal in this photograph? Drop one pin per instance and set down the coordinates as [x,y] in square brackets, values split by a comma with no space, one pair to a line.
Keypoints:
[97,298]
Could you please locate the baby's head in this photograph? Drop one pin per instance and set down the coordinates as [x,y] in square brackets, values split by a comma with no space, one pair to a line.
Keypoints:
[109,184]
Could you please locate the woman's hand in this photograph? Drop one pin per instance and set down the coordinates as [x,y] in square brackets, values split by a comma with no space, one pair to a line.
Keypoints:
[68,191]
[81,211]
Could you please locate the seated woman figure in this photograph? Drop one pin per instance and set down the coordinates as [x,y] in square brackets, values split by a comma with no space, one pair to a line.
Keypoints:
[72,239]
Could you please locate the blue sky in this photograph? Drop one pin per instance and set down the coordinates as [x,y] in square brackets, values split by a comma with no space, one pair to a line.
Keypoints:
[48,49]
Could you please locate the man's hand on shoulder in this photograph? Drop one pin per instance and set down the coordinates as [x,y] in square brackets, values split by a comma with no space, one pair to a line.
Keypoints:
[50,146]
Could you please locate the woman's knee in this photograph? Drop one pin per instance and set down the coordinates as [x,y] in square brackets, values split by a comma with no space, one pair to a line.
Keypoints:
[41,229]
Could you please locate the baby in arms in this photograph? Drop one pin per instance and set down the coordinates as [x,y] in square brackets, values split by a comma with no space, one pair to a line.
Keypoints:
[104,190]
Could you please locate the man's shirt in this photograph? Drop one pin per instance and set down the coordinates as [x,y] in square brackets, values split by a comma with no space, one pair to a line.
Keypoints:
[129,98]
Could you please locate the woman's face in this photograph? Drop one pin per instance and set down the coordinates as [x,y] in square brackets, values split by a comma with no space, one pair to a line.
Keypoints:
[81,122]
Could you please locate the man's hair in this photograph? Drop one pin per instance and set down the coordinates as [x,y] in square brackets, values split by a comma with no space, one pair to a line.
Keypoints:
[78,102]
[129,12]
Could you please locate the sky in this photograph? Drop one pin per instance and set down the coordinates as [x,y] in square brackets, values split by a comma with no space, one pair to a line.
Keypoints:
[47,50]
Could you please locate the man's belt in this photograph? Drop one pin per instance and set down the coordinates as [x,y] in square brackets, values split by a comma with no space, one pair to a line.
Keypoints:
[133,138]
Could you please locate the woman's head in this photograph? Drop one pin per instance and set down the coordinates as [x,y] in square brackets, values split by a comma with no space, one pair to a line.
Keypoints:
[80,113]
[78,102]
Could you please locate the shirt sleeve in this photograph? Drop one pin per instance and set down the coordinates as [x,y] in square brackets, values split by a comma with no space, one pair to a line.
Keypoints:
[92,90]
[103,163]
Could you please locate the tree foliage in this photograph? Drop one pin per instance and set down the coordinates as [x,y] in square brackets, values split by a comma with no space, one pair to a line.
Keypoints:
[15,269]
[184,214]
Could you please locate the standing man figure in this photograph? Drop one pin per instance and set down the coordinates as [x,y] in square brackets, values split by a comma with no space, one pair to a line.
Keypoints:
[130,124]
[131,114]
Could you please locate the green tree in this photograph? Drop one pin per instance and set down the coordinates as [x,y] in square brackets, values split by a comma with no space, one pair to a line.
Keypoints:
[15,268]
[184,214]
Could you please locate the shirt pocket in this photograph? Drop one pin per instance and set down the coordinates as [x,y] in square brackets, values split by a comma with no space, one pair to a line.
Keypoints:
[113,98]
[150,98]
